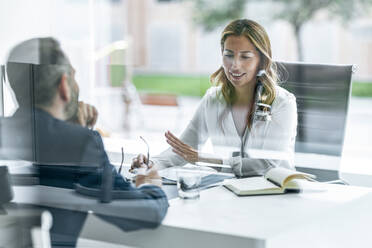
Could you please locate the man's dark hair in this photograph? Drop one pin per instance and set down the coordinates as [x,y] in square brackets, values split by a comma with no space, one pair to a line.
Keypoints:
[50,63]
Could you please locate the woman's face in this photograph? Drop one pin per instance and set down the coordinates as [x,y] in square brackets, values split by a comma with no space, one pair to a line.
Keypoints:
[240,61]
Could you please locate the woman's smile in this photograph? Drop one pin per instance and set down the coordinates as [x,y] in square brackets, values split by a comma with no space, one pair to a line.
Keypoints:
[236,76]
[240,61]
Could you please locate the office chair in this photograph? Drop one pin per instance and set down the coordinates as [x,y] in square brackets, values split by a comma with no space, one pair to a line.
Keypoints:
[2,77]
[322,94]
[21,225]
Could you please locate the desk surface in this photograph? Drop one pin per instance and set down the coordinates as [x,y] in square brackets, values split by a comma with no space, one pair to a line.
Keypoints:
[261,217]
[338,216]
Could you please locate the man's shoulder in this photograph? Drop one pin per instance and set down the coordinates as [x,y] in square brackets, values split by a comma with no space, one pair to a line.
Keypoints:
[61,127]
[60,141]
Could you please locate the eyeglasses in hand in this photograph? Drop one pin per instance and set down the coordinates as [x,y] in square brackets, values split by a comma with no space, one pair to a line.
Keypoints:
[122,159]
[148,151]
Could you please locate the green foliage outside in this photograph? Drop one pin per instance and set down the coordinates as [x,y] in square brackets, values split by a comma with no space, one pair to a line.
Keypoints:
[211,14]
[197,85]
[362,89]
[179,85]
[117,75]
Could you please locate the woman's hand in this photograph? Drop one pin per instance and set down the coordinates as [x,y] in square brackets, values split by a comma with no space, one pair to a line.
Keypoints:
[187,152]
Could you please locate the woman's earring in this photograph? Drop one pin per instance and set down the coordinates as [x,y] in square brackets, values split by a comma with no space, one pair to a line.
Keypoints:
[260,73]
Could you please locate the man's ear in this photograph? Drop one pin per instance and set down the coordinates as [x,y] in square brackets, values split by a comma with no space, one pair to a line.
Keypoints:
[64,89]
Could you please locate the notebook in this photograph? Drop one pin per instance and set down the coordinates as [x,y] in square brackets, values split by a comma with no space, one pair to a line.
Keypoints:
[275,181]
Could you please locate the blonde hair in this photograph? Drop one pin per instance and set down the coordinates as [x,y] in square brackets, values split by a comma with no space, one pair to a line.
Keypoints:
[257,35]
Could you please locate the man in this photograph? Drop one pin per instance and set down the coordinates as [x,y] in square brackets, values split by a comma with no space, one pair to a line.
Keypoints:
[56,136]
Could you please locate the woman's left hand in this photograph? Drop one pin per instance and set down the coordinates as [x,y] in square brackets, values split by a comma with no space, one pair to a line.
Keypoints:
[187,152]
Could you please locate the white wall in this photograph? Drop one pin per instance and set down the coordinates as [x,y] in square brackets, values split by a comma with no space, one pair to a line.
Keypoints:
[323,40]
[70,21]
[20,20]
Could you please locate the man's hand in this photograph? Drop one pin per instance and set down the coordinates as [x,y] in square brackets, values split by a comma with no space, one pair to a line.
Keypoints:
[87,115]
[140,162]
[148,175]
[187,152]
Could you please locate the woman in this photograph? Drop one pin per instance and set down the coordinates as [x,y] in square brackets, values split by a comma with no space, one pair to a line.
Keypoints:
[229,112]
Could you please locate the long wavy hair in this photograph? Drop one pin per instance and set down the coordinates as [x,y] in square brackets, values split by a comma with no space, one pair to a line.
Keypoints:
[257,35]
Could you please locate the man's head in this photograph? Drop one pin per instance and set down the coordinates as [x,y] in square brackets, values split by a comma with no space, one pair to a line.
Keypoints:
[53,75]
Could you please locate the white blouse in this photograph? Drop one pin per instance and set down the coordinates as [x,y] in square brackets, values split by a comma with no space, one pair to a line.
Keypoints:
[267,144]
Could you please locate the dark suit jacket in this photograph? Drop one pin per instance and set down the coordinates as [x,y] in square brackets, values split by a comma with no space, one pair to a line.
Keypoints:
[66,153]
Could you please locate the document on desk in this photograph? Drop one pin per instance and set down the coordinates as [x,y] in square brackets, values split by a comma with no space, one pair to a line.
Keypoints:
[209,176]
[276,181]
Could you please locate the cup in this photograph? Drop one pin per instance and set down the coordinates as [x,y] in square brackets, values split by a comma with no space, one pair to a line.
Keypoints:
[188,182]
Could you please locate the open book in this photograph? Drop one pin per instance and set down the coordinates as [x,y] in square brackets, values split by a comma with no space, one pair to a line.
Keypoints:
[276,181]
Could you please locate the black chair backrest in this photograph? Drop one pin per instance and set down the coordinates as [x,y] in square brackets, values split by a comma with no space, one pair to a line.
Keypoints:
[17,132]
[2,70]
[2,77]
[322,93]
